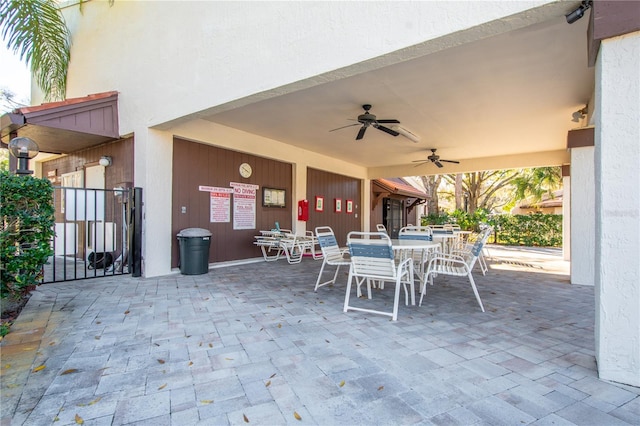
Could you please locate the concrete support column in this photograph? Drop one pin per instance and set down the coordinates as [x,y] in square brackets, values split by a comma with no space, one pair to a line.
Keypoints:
[299,193]
[582,215]
[153,173]
[365,208]
[617,166]
[566,217]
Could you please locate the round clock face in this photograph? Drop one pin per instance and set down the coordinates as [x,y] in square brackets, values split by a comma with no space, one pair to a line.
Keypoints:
[245,170]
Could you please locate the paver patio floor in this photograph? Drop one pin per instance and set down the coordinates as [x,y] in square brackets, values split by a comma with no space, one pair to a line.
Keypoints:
[253,344]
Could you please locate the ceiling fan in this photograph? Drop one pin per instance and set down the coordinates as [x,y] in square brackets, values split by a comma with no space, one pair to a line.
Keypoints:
[367,119]
[435,159]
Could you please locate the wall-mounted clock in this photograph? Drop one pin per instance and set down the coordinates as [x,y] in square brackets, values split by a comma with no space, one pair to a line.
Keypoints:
[245,170]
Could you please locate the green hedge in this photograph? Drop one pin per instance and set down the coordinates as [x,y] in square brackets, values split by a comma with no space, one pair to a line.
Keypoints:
[535,229]
[27,214]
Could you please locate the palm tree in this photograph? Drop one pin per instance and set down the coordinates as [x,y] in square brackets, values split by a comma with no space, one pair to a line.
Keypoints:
[37,32]
[535,183]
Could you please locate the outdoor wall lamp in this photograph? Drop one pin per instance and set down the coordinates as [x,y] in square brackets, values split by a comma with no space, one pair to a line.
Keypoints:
[23,149]
[579,115]
[579,12]
[105,161]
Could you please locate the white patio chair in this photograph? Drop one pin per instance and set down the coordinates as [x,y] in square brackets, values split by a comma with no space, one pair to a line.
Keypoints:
[419,257]
[372,260]
[332,254]
[481,236]
[309,243]
[450,264]
[292,248]
[381,228]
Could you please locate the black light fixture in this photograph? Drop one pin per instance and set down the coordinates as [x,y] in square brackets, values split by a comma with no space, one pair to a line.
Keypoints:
[579,114]
[23,149]
[579,12]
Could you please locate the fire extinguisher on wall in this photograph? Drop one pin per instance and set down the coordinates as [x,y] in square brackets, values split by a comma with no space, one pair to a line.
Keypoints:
[303,210]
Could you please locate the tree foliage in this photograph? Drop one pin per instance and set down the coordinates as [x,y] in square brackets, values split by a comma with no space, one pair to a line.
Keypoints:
[482,188]
[535,183]
[36,31]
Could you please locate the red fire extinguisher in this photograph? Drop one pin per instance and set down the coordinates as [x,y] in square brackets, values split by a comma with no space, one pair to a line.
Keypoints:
[303,210]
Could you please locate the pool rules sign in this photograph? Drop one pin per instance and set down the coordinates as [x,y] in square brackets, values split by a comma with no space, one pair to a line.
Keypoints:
[244,205]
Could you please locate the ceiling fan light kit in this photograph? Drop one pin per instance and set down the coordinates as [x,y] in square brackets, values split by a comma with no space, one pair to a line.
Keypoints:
[406,133]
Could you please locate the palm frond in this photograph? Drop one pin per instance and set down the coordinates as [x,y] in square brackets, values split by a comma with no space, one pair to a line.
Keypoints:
[36,31]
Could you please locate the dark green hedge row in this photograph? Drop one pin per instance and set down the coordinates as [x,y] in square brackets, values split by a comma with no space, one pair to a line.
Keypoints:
[535,229]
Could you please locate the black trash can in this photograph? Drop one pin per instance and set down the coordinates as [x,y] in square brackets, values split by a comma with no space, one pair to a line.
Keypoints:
[194,251]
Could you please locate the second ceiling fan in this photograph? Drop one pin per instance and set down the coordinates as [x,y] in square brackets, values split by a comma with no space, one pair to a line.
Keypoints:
[435,159]
[369,120]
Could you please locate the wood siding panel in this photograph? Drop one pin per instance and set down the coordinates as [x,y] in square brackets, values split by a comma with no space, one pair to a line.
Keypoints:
[196,164]
[120,171]
[332,186]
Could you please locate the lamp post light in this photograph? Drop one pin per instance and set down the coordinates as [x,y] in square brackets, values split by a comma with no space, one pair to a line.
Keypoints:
[23,149]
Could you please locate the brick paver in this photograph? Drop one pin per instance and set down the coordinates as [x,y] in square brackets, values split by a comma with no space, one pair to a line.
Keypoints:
[254,343]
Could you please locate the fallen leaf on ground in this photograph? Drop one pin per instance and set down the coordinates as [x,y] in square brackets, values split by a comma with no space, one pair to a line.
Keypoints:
[161,361]
[272,376]
[95,401]
[246,419]
[380,388]
[268,383]
[342,383]
[79,420]
[296,415]
[162,387]
[127,312]
[42,367]
[69,371]
[206,401]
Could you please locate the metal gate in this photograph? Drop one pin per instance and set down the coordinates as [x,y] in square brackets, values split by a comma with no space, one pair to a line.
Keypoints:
[98,233]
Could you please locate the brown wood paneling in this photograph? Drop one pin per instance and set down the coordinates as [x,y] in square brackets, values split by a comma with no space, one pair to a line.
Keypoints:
[332,186]
[121,169]
[611,19]
[581,137]
[196,164]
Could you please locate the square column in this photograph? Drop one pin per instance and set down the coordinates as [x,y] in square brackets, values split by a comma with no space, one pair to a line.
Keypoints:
[582,215]
[617,174]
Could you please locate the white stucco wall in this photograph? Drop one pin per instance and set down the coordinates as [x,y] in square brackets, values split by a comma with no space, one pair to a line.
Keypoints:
[171,60]
[582,216]
[617,165]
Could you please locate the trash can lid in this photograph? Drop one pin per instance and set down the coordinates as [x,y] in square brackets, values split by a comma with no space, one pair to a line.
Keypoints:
[194,232]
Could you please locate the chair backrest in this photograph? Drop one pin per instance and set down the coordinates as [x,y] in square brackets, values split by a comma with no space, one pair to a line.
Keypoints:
[440,230]
[371,254]
[328,243]
[453,226]
[381,228]
[422,233]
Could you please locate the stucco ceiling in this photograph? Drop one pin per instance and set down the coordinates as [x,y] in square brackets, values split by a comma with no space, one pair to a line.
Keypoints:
[511,94]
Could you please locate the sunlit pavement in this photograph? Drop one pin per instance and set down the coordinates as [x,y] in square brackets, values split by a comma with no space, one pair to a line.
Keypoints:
[253,344]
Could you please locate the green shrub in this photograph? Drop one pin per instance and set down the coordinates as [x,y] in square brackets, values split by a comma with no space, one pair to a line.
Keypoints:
[535,229]
[27,213]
